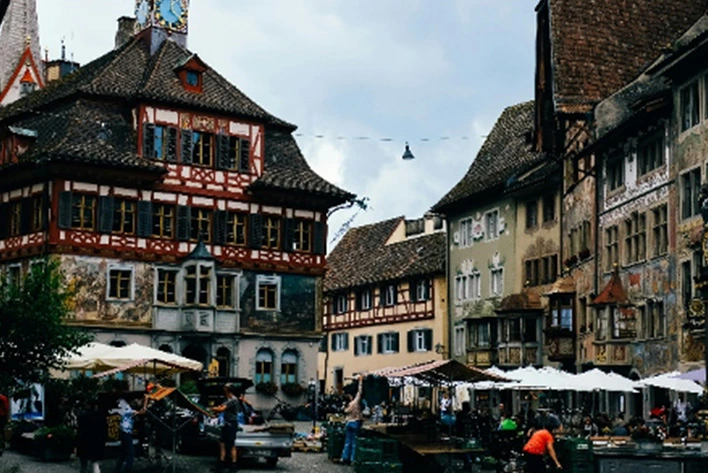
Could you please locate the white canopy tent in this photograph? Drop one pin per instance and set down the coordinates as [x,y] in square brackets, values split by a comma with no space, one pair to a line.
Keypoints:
[100,357]
[598,380]
[672,382]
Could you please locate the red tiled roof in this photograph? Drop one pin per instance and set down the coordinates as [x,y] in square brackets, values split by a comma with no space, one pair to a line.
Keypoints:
[613,293]
[598,46]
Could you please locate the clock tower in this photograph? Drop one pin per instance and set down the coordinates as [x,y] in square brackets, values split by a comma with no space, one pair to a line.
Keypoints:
[161,20]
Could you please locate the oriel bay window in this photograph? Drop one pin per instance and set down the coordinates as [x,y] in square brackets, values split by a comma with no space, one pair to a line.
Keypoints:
[163,221]
[124,216]
[264,366]
[200,226]
[288,367]
[225,290]
[166,286]
[561,311]
[268,292]
[197,281]
[202,148]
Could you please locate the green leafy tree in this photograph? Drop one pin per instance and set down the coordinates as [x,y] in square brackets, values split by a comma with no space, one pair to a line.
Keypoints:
[34,336]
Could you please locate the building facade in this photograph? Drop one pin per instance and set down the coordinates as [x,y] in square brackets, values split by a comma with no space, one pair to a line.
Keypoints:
[384,296]
[482,211]
[183,214]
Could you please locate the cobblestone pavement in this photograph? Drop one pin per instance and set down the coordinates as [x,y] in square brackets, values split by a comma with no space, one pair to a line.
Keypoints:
[299,462]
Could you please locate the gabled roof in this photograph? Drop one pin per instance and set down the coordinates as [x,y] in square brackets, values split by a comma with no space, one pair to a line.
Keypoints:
[613,293]
[599,46]
[362,257]
[129,73]
[287,169]
[505,154]
[525,301]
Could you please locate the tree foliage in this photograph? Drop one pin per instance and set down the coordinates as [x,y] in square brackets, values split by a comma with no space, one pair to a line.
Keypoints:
[34,336]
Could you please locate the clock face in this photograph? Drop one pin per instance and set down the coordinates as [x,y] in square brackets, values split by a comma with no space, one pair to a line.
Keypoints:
[171,14]
[142,12]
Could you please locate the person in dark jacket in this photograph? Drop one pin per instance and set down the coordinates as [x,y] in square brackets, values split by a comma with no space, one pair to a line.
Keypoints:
[91,435]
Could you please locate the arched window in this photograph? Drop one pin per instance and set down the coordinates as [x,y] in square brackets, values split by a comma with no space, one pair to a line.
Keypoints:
[166,348]
[264,366]
[288,367]
[223,356]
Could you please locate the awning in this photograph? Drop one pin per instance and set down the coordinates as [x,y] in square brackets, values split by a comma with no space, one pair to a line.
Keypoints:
[152,367]
[86,356]
[100,357]
[698,375]
[598,380]
[439,372]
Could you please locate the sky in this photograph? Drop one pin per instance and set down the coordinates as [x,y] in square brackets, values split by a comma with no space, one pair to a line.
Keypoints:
[412,71]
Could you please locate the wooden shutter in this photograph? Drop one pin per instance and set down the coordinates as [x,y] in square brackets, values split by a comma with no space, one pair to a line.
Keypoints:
[105,214]
[220,219]
[148,140]
[357,300]
[395,294]
[428,335]
[346,342]
[255,239]
[187,145]
[319,239]
[223,156]
[356,347]
[288,234]
[4,221]
[382,296]
[144,218]
[26,216]
[64,217]
[396,342]
[171,151]
[332,341]
[184,222]
[411,340]
[244,163]
[379,343]
[411,290]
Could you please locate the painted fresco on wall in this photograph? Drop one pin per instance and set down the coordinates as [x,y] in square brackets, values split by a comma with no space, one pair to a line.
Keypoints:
[297,312]
[87,279]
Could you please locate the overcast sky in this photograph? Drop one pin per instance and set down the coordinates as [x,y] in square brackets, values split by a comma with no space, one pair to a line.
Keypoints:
[408,70]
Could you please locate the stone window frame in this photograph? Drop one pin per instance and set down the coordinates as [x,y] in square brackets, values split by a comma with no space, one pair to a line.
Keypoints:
[271,280]
[489,235]
[158,282]
[496,288]
[460,340]
[660,229]
[120,267]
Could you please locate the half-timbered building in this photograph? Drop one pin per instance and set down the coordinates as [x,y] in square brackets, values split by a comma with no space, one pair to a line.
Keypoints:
[184,215]
[384,298]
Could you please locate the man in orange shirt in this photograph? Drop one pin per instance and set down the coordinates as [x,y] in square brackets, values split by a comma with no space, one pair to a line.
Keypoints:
[541,441]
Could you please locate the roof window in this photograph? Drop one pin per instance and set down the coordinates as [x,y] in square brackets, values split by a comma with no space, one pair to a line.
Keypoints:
[191,73]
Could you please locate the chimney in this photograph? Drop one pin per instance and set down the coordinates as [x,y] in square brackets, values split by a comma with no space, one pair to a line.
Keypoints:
[126,29]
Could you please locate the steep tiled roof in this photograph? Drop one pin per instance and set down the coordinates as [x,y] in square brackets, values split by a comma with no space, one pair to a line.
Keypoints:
[505,154]
[131,73]
[84,131]
[599,46]
[286,168]
[362,257]
[526,300]
[613,293]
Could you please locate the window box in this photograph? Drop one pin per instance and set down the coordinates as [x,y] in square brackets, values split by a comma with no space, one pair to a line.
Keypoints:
[292,389]
[571,261]
[268,387]
[584,254]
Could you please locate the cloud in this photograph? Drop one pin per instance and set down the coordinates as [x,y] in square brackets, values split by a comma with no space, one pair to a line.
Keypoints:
[397,69]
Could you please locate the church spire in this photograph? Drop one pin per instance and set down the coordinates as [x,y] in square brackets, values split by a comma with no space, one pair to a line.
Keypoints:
[19,50]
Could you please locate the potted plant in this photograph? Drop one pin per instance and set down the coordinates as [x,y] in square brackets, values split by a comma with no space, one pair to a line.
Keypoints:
[648,439]
[54,443]
[570,262]
[267,387]
[584,254]
[292,389]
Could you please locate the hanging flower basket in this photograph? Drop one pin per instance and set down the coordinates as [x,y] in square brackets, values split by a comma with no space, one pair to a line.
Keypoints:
[292,389]
[268,388]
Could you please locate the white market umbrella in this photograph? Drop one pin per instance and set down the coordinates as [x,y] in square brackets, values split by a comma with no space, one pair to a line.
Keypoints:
[598,380]
[672,382]
[87,356]
[135,353]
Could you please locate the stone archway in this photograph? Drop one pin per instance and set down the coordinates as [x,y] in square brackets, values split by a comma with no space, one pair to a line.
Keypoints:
[194,352]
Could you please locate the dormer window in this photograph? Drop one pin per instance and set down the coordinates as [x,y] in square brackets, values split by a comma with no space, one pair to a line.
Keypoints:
[193,78]
[191,73]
